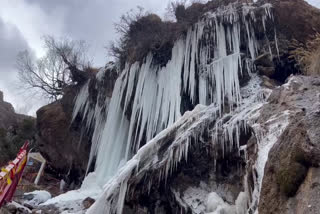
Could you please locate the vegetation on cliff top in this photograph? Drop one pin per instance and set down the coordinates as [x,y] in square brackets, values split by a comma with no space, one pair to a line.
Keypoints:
[143,32]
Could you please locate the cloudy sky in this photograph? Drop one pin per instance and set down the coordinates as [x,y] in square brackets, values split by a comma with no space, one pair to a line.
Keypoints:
[24,22]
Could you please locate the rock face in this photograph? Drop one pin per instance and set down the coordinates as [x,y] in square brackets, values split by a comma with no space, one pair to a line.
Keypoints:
[296,19]
[63,137]
[197,166]
[59,144]
[291,181]
[7,115]
[199,155]
[296,23]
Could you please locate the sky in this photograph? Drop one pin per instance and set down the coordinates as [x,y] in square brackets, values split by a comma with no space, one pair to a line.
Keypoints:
[23,23]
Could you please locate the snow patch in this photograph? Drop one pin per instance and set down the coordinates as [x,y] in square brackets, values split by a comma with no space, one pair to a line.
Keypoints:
[38,197]
[72,200]
[213,202]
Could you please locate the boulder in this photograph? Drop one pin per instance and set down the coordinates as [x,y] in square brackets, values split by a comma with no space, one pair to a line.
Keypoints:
[62,145]
[291,180]
[87,203]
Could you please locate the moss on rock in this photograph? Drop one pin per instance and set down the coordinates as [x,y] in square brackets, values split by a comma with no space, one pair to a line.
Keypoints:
[291,177]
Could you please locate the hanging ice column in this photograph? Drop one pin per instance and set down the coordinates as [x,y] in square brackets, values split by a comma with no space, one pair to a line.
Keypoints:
[205,65]
[154,104]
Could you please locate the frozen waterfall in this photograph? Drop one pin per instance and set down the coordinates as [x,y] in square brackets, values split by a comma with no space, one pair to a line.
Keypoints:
[205,65]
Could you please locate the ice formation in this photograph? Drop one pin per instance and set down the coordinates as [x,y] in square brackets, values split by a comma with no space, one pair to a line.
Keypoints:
[146,103]
[191,126]
[267,136]
[213,202]
[188,129]
[205,65]
[216,205]
[94,117]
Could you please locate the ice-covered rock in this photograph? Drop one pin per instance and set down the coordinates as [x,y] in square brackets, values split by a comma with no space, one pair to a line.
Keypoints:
[213,202]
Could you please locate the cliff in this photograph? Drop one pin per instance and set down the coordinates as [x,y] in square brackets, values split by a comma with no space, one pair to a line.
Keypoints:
[207,119]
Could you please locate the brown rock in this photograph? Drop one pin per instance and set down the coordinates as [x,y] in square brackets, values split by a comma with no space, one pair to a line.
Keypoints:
[290,183]
[269,83]
[266,71]
[296,19]
[59,144]
[264,60]
[87,203]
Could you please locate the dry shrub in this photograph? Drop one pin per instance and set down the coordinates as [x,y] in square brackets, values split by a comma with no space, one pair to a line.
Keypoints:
[307,56]
[142,32]
[314,66]
[148,34]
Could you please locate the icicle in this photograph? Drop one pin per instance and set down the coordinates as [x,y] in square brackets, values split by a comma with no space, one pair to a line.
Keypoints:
[122,195]
[276,42]
[81,102]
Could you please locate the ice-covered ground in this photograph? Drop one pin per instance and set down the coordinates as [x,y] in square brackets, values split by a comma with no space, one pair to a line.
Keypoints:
[71,202]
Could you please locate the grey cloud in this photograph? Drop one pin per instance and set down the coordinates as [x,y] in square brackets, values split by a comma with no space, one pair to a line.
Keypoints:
[11,43]
[92,20]
[315,3]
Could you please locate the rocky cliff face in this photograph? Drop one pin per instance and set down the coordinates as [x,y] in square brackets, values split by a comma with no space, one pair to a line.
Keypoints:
[250,146]
[281,134]
[166,177]
[291,181]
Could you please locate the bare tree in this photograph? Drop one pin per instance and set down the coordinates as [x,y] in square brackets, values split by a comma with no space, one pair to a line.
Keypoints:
[64,64]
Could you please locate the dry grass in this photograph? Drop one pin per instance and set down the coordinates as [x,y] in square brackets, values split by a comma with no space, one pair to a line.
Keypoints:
[308,56]
[314,66]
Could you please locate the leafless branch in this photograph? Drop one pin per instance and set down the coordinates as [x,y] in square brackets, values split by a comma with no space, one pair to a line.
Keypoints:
[64,64]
